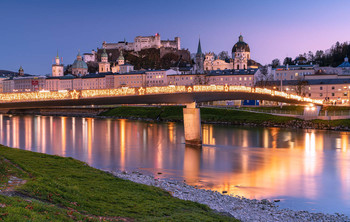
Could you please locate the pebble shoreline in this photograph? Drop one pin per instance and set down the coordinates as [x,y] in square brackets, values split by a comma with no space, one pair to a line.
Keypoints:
[239,207]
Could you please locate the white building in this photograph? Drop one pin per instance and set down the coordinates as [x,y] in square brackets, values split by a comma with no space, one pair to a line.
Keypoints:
[90,57]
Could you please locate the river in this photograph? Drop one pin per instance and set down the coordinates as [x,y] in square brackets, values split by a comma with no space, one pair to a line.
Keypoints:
[304,169]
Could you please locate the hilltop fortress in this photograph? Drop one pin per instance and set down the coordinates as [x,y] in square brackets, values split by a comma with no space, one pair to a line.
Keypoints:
[144,42]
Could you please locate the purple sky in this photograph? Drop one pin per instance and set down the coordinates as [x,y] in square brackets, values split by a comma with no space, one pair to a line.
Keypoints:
[32,31]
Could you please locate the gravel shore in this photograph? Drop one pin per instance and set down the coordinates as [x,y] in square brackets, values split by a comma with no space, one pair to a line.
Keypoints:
[238,207]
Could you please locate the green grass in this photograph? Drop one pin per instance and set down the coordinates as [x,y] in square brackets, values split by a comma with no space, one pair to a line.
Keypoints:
[174,113]
[225,115]
[272,108]
[64,189]
[164,112]
[333,123]
[234,116]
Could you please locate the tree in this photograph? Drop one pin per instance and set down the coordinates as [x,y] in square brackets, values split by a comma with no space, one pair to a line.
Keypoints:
[310,57]
[288,61]
[92,67]
[275,63]
[68,69]
[169,60]
[300,87]
[333,56]
[224,55]
[263,76]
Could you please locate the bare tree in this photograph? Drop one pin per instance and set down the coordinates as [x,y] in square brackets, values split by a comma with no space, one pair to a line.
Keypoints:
[288,61]
[263,77]
[275,63]
[223,55]
[301,86]
[201,79]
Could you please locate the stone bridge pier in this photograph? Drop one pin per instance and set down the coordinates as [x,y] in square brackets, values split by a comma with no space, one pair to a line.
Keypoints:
[192,125]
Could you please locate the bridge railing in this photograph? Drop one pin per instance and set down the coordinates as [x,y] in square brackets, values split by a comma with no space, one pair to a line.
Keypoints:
[127,91]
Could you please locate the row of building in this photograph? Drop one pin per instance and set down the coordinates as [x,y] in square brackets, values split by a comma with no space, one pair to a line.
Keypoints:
[140,78]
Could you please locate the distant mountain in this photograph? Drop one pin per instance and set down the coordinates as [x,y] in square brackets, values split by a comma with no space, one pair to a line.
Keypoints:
[8,73]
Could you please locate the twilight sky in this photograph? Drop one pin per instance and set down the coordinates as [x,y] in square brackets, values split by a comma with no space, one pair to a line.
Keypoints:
[32,31]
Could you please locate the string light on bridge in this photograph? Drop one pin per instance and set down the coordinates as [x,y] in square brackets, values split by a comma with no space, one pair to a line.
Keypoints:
[140,91]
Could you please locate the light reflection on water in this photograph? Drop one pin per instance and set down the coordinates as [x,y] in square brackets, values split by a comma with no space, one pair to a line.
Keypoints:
[306,169]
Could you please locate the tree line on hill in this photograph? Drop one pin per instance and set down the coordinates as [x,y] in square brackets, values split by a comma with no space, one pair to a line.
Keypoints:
[330,57]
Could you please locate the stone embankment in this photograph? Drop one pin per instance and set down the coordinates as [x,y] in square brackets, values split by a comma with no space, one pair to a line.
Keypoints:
[238,207]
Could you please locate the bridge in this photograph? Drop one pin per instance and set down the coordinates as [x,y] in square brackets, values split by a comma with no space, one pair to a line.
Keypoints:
[188,95]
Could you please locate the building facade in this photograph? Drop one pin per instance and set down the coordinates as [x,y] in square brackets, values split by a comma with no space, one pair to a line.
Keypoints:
[293,72]
[210,63]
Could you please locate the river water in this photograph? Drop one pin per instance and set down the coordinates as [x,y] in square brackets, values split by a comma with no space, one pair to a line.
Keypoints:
[305,169]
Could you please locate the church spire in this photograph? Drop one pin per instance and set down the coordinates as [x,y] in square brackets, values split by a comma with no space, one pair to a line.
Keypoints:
[199,49]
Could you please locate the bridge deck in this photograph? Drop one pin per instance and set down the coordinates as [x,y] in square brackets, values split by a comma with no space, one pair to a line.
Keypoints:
[149,95]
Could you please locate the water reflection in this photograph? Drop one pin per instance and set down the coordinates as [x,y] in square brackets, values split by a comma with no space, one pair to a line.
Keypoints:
[307,169]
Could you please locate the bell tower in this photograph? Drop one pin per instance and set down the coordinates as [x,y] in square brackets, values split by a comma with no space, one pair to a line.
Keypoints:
[104,65]
[199,59]
[57,68]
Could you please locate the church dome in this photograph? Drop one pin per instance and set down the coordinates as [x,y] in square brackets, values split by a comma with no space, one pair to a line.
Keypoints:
[240,46]
[79,64]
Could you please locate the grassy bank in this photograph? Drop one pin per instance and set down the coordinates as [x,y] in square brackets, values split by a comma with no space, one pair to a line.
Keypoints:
[174,113]
[222,115]
[53,188]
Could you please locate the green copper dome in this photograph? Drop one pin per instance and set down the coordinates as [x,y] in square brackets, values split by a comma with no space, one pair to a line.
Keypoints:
[121,57]
[79,63]
[104,54]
